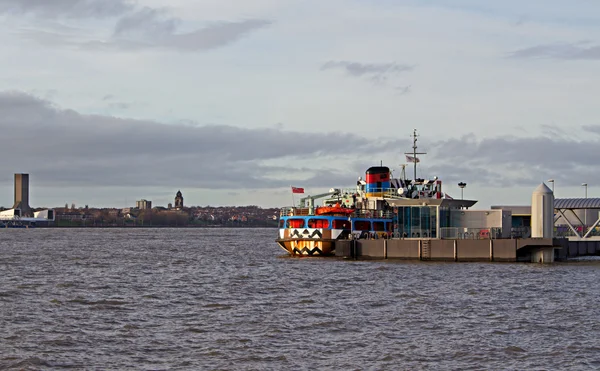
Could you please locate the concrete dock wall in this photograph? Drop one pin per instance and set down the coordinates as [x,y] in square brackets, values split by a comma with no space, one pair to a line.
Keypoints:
[370,248]
[403,249]
[473,250]
[438,250]
[504,250]
[497,250]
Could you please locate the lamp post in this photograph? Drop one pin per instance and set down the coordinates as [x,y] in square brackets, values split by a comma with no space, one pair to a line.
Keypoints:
[551,181]
[462,186]
[584,185]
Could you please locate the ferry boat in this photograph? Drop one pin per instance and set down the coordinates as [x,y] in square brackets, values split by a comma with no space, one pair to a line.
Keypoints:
[362,212]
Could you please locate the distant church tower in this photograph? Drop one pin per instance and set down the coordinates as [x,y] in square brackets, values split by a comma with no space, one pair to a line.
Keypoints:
[178,201]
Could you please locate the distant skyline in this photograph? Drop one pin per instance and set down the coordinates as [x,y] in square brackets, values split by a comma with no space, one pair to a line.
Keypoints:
[105,102]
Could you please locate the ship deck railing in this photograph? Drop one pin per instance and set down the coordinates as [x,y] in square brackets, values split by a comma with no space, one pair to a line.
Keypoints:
[373,192]
[387,193]
[358,213]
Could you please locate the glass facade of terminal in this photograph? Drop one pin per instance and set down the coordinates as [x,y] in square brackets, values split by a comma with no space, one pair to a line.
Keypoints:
[421,221]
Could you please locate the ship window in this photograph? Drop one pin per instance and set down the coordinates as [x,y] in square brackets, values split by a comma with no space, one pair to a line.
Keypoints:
[295,223]
[318,223]
[362,225]
[280,223]
[341,224]
[378,226]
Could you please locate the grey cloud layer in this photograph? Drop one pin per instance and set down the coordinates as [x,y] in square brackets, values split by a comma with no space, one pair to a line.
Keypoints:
[65,147]
[512,161]
[162,37]
[148,29]
[559,51]
[135,28]
[67,8]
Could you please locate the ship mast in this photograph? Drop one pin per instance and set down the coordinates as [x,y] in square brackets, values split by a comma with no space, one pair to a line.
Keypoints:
[414,153]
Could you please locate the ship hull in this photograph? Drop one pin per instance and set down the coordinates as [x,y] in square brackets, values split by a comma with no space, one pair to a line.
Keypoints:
[309,241]
[307,247]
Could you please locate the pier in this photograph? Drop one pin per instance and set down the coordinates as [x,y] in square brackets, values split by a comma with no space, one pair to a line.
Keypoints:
[535,250]
[400,218]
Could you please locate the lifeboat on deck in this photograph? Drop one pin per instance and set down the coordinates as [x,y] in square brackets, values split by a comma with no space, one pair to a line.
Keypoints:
[333,210]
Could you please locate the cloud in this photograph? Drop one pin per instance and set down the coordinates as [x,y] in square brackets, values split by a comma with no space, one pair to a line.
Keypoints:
[67,8]
[362,69]
[521,20]
[560,51]
[144,36]
[516,161]
[151,28]
[64,147]
[401,90]
[46,38]
[146,22]
[119,105]
[139,35]
[380,74]
[135,28]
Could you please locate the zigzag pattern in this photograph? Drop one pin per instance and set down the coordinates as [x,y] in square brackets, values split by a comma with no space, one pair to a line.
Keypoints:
[306,233]
[307,251]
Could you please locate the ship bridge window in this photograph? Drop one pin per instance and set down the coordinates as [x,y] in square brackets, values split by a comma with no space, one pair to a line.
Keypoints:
[341,224]
[281,223]
[318,223]
[362,225]
[295,223]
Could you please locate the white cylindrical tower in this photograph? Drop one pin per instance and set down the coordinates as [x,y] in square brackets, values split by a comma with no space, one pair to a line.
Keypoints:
[542,212]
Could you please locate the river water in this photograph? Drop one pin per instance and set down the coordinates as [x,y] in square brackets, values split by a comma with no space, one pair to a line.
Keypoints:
[229,299]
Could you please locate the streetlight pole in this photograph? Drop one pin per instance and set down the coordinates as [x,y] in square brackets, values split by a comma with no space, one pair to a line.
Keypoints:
[551,181]
[462,186]
[585,185]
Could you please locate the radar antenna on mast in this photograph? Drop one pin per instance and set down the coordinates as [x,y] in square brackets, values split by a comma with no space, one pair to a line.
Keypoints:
[414,159]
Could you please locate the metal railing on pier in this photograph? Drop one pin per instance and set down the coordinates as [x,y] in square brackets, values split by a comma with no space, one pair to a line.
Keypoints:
[484,233]
[470,233]
[565,231]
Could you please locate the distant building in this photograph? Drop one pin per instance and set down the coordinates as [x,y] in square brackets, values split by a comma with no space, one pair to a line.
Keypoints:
[143,204]
[169,205]
[178,201]
[22,194]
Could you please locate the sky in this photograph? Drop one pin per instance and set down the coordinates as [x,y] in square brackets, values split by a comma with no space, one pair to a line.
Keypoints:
[105,102]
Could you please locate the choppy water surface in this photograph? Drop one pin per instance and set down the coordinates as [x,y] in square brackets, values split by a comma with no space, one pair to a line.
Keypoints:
[228,299]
